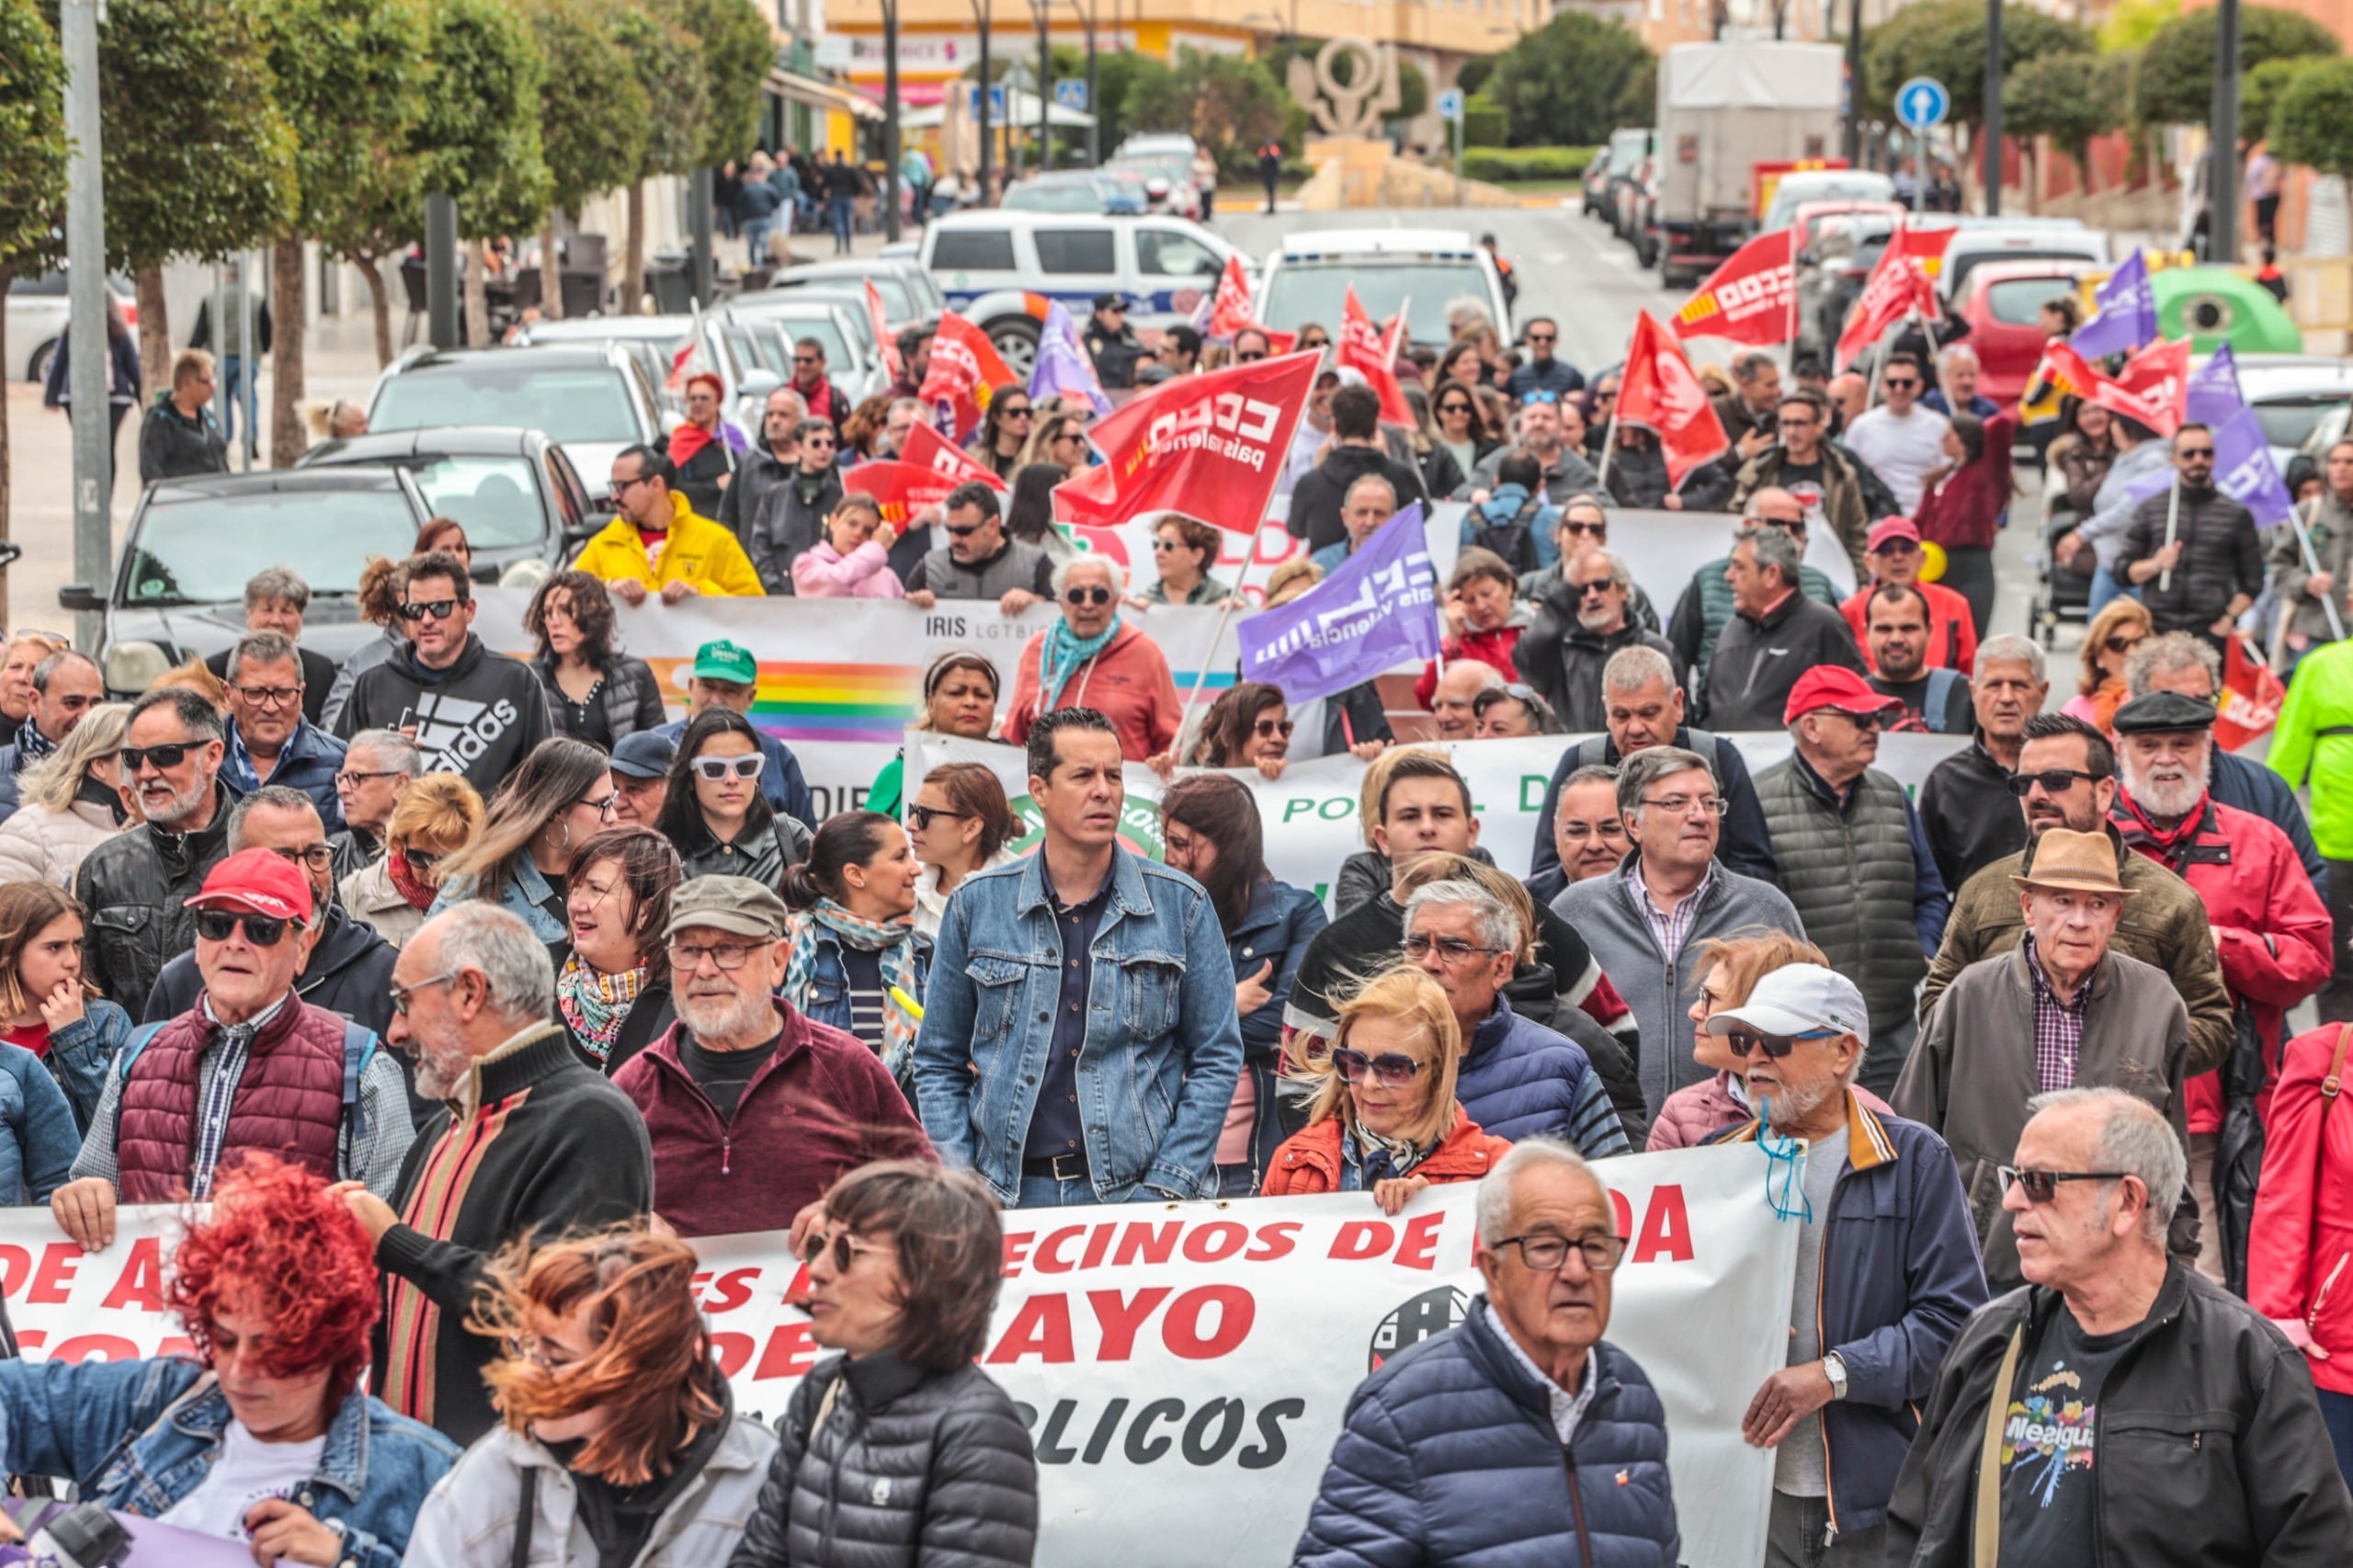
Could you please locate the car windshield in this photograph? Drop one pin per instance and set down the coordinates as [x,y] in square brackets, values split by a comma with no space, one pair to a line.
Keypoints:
[586,403]
[776,344]
[1792,193]
[1319,292]
[203,549]
[1057,197]
[2287,421]
[496,498]
[2019,301]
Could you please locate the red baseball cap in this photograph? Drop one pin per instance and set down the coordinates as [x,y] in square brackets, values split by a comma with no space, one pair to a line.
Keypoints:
[257,881]
[1886,528]
[1834,685]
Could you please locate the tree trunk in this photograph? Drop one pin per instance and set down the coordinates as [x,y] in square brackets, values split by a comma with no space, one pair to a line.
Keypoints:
[633,252]
[2032,147]
[477,298]
[380,305]
[7,276]
[551,275]
[288,438]
[156,332]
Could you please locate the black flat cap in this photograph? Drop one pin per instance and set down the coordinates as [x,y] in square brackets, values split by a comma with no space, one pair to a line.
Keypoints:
[2160,711]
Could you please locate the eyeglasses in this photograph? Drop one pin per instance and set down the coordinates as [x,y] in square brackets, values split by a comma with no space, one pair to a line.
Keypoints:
[350,778]
[728,956]
[1676,805]
[161,758]
[1534,397]
[270,695]
[1775,1046]
[1546,1254]
[1085,594]
[843,1246]
[715,768]
[1450,949]
[2122,643]
[602,805]
[1390,1069]
[318,857]
[261,930]
[2042,1186]
[420,860]
[920,818]
[442,609]
[2055,780]
[403,994]
[1267,729]
[620,487]
[532,1348]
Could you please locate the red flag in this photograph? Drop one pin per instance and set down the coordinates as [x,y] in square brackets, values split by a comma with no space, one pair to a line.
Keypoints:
[1897,286]
[882,332]
[2153,389]
[926,448]
[903,489]
[1363,348]
[2251,697]
[1230,313]
[1658,389]
[965,372]
[1210,446]
[1746,299]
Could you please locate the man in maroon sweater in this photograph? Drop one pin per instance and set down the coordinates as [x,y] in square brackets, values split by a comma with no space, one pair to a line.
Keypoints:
[752,1109]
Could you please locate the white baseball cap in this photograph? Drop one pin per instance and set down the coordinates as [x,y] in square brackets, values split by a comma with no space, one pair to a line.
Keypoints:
[1796,999]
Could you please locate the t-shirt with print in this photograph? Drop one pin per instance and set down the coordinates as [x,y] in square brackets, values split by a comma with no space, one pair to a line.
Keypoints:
[1804,482]
[2050,1442]
[247,1471]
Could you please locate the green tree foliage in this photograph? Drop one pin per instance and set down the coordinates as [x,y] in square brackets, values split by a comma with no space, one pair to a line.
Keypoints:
[2068,98]
[32,173]
[2130,24]
[1574,80]
[1484,122]
[2177,80]
[1474,75]
[2261,89]
[737,51]
[2312,123]
[593,113]
[1223,101]
[480,133]
[1946,39]
[670,71]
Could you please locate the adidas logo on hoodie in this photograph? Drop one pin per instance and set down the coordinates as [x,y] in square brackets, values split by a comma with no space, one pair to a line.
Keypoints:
[453,733]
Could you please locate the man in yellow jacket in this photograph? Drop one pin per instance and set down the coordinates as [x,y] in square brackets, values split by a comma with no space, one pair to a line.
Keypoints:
[657,543]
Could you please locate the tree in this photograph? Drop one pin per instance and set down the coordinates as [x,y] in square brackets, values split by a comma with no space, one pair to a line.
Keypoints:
[1223,100]
[32,173]
[1946,39]
[670,69]
[1124,79]
[481,131]
[199,159]
[2312,123]
[738,52]
[1573,80]
[2067,98]
[593,115]
[2130,24]
[348,73]
[2260,92]
[2176,81]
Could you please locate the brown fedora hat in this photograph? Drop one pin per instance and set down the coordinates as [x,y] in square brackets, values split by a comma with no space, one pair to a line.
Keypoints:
[2082,862]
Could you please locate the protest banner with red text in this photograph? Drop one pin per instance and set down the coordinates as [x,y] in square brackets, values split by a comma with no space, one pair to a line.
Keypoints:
[965,372]
[1211,445]
[1658,389]
[1748,298]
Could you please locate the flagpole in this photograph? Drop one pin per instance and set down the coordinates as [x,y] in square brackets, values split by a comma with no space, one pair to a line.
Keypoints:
[1793,304]
[1192,694]
[2173,520]
[1608,444]
[2312,565]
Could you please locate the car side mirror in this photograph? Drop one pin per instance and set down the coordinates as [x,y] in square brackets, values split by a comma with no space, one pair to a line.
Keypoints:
[757,384]
[81,597]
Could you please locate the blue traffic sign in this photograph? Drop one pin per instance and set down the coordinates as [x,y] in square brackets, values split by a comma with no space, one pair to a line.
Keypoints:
[1070,92]
[996,102]
[1922,102]
[1450,104]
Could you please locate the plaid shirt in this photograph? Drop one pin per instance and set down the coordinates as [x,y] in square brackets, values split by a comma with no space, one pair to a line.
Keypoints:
[2058,1027]
[1673,926]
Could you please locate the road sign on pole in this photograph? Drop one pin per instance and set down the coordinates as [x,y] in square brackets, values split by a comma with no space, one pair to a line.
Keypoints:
[1071,93]
[1450,104]
[1921,103]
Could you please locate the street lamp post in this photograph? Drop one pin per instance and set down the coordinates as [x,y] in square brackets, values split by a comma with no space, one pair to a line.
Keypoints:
[1855,84]
[981,16]
[2223,176]
[1094,111]
[891,149]
[1992,127]
[1045,90]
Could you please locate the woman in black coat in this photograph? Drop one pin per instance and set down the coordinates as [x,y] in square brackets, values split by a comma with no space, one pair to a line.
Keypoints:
[903,1270]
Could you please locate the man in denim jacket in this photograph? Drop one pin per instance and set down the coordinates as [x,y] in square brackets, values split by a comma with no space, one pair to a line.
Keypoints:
[1079,1041]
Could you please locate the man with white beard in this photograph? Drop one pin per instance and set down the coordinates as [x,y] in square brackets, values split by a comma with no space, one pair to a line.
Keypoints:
[1887,1267]
[2271,931]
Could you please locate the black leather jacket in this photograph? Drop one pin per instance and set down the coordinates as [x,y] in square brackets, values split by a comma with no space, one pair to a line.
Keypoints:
[907,1468]
[136,886]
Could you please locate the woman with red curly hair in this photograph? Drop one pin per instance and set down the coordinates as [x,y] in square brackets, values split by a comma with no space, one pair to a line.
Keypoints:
[620,1448]
[263,1437]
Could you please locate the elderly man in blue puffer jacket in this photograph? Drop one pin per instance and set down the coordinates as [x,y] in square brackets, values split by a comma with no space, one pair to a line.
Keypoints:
[1519,1439]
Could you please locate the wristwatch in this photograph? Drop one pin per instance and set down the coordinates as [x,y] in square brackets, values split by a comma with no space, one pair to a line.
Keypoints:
[1833,1366]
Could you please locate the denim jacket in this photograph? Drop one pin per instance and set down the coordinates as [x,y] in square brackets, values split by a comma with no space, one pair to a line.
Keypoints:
[1163,1048]
[828,999]
[39,1137]
[80,1053]
[139,1435]
[1276,928]
[521,893]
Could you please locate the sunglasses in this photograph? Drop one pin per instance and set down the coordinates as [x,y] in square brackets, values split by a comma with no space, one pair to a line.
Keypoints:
[2042,1186]
[442,609]
[920,818]
[1543,337]
[1084,594]
[2187,452]
[1392,1068]
[2055,780]
[261,930]
[1250,357]
[1457,407]
[420,860]
[1527,398]
[1899,384]
[161,758]
[1775,1046]
[715,768]
[967,532]
[844,1248]
[1022,413]
[1267,729]
[2121,643]
[1315,343]
[1599,531]
[1599,586]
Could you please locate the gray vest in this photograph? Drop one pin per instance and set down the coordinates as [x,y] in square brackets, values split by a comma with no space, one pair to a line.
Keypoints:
[1015,567]
[1852,878]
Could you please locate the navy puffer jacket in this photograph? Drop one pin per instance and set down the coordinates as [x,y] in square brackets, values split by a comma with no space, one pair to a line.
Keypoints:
[1521,1080]
[1449,1456]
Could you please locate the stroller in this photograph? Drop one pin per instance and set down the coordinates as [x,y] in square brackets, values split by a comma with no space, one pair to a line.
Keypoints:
[2060,593]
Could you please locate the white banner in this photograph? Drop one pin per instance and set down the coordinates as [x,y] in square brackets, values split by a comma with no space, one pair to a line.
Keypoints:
[1184,1368]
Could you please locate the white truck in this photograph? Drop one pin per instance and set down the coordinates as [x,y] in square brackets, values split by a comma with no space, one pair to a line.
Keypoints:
[1731,116]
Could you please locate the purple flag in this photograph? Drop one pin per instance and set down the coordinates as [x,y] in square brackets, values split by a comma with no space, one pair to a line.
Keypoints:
[2244,470]
[2214,395]
[1378,610]
[1062,365]
[2128,313]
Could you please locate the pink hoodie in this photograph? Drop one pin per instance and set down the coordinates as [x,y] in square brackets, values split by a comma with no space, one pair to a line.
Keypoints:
[821,573]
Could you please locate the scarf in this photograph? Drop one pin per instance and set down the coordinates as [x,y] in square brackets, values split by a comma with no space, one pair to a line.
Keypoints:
[419,893]
[1366,1157]
[1060,655]
[2164,845]
[893,938]
[686,441]
[595,1005]
[31,744]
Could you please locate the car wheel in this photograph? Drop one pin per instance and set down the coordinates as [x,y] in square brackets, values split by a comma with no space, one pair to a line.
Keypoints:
[37,368]
[1015,338]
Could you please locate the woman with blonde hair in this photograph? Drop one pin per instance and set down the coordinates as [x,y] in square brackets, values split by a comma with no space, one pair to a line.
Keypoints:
[435,817]
[73,802]
[1384,1118]
[2120,626]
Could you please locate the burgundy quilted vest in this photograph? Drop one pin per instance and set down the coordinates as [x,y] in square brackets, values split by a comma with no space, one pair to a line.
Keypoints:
[290,1100]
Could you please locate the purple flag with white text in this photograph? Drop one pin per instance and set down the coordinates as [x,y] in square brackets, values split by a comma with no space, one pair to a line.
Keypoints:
[2128,313]
[2244,471]
[1063,364]
[1378,610]
[2214,390]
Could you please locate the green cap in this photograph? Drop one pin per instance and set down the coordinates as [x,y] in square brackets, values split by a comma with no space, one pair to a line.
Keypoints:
[723,660]
[738,905]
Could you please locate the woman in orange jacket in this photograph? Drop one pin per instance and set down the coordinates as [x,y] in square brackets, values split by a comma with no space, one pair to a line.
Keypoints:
[1386,1120]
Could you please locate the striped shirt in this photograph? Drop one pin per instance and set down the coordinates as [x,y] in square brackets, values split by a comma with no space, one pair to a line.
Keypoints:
[2058,1027]
[1668,926]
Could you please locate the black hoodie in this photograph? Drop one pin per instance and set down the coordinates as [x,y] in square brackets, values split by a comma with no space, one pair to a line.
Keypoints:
[480,717]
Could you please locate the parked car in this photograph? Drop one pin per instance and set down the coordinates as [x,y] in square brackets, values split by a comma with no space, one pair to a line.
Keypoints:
[2293,395]
[2003,303]
[39,308]
[519,497]
[591,398]
[1426,270]
[771,324]
[910,296]
[179,585]
[1167,181]
[1980,241]
[1800,187]
[1111,194]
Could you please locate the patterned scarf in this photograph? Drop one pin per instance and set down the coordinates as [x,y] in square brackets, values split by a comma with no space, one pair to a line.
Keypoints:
[419,893]
[894,939]
[1059,660]
[595,1004]
[1366,1157]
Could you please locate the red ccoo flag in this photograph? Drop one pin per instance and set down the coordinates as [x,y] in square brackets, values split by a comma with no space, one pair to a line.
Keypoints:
[1658,389]
[926,448]
[1210,446]
[1748,298]
[2152,390]
[901,489]
[882,332]
[965,371]
[1363,348]
[2251,697]
[1230,313]
[1902,281]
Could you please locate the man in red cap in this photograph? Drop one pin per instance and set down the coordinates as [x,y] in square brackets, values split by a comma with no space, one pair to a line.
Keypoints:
[1854,858]
[250,1067]
[1893,556]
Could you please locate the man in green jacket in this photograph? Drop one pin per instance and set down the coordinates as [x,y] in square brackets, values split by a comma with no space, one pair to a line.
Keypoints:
[2313,744]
